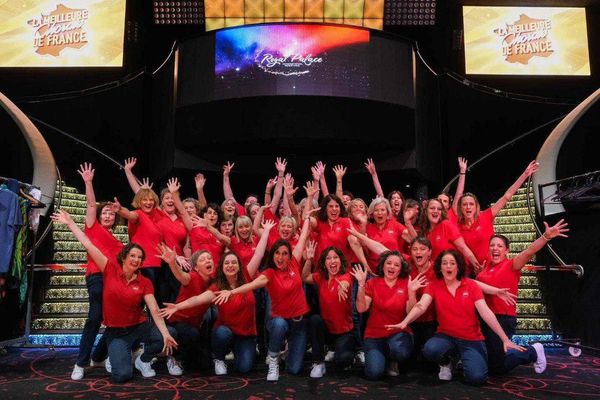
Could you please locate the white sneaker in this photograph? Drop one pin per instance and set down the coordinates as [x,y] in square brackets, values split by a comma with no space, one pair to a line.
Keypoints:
[174,366]
[108,365]
[273,373]
[445,373]
[220,367]
[329,356]
[144,367]
[318,370]
[229,356]
[540,365]
[393,368]
[77,373]
[360,358]
[94,364]
[136,353]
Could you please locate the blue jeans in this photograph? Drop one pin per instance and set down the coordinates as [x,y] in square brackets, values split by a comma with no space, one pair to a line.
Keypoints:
[121,340]
[344,344]
[188,338]
[244,347]
[153,273]
[397,347]
[440,348]
[499,361]
[295,331]
[92,323]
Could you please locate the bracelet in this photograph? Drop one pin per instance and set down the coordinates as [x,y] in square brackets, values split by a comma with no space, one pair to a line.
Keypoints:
[546,237]
[462,173]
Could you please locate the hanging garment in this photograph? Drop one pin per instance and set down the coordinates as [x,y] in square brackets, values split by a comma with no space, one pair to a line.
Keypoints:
[17,269]
[10,221]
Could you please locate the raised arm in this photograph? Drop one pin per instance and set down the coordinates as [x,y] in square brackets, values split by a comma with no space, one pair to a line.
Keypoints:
[289,191]
[363,302]
[280,165]
[170,257]
[339,171]
[173,185]
[312,190]
[258,219]
[123,212]
[133,181]
[259,252]
[224,295]
[414,285]
[227,192]
[268,189]
[87,174]
[502,293]
[307,268]
[559,229]
[460,186]
[205,297]
[63,217]
[370,166]
[322,181]
[530,170]
[373,245]
[490,319]
[299,249]
[168,342]
[200,181]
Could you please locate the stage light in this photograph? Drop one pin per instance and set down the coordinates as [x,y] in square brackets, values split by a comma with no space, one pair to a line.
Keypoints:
[409,13]
[178,12]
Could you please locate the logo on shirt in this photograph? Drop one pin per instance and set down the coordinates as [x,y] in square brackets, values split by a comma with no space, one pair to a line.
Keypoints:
[400,291]
[465,294]
[135,287]
[391,232]
[438,237]
[338,229]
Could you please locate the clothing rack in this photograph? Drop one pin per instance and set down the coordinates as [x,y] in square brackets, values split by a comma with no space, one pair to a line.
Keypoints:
[27,186]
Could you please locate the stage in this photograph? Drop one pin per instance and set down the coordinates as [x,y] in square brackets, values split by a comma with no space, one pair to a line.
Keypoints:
[38,373]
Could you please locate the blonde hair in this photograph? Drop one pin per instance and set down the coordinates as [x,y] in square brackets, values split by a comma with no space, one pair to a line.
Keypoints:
[142,194]
[245,221]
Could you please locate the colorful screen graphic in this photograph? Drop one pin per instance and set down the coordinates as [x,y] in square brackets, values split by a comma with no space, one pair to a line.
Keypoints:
[525,41]
[62,33]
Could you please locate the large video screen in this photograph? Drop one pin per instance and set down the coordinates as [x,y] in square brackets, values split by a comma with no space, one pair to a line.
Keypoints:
[525,41]
[62,33]
[296,59]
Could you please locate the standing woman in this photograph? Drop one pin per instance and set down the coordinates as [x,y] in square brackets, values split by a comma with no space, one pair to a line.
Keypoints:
[334,324]
[502,271]
[443,234]
[283,281]
[125,291]
[477,227]
[458,303]
[98,224]
[387,296]
[243,244]
[204,234]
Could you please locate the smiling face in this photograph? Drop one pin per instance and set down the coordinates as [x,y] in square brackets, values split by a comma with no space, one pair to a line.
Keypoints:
[107,217]
[449,267]
[244,231]
[147,204]
[286,230]
[231,266]
[281,257]
[357,209]
[420,254]
[434,211]
[211,216]
[333,263]
[468,207]
[498,250]
[205,265]
[228,207]
[190,208]
[392,267]
[133,260]
[396,203]
[167,203]
[445,200]
[333,210]
[226,227]
[380,214]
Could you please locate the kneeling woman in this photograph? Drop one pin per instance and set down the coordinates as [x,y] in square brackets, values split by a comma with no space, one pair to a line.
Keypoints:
[388,297]
[283,281]
[334,324]
[125,291]
[458,300]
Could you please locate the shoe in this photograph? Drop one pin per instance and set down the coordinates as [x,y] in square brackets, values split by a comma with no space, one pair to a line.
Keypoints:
[136,353]
[445,373]
[540,365]
[144,367]
[77,373]
[273,373]
[318,370]
[108,365]
[94,364]
[360,358]
[393,369]
[229,356]
[174,366]
[220,367]
[329,356]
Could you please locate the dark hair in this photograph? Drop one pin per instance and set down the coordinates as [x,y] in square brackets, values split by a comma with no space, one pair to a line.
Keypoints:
[421,240]
[403,264]
[100,206]
[322,214]
[425,224]
[321,263]
[460,263]
[216,208]
[348,193]
[125,251]
[409,203]
[393,192]
[448,195]
[221,280]
[459,213]
[503,238]
[249,207]
[274,248]
[196,256]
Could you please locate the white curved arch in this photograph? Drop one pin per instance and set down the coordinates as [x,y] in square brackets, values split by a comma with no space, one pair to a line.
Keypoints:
[548,155]
[44,166]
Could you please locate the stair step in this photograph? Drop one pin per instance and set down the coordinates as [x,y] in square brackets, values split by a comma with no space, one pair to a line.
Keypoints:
[67,293]
[516,203]
[64,245]
[533,324]
[66,190]
[515,237]
[66,235]
[71,256]
[521,196]
[529,280]
[60,324]
[514,228]
[530,294]
[65,308]
[513,219]
[524,309]
[67,280]
[513,211]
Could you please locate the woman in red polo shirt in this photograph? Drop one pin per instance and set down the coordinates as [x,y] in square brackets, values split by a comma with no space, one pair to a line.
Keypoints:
[99,221]
[458,301]
[334,323]
[443,234]
[125,291]
[387,297]
[283,281]
[244,242]
[477,227]
[506,272]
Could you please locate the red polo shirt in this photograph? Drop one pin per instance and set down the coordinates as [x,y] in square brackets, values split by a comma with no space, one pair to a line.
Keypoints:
[245,252]
[286,291]
[238,314]
[202,239]
[478,235]
[442,238]
[192,316]
[122,302]
[390,236]
[428,315]
[501,275]
[336,314]
[335,234]
[147,234]
[104,240]
[174,233]
[456,315]
[388,307]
